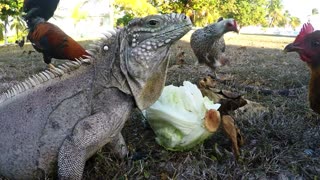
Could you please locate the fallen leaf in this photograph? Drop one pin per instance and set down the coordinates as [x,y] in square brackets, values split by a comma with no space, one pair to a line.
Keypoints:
[231,95]
[229,101]
[233,133]
[207,82]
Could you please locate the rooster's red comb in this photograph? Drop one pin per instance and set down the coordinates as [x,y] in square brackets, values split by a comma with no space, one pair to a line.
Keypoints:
[307,28]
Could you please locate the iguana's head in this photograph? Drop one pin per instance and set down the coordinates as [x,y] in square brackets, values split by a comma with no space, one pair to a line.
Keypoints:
[144,50]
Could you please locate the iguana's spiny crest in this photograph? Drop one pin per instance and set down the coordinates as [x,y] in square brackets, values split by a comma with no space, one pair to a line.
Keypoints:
[207,44]
[68,114]
[143,39]
[143,47]
[41,77]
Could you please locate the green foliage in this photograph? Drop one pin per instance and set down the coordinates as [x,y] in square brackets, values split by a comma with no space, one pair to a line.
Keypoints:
[131,9]
[201,12]
[246,12]
[294,22]
[2,29]
[19,26]
[78,15]
[124,20]
[13,9]
[204,12]
[275,15]
[10,8]
[315,11]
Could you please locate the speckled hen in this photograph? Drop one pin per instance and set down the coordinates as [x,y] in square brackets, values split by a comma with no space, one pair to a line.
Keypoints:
[208,44]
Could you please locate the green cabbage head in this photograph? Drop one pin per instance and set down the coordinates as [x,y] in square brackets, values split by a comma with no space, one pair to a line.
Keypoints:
[177,117]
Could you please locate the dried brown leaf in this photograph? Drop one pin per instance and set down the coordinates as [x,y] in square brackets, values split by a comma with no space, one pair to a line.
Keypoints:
[207,82]
[233,133]
[231,95]
[229,101]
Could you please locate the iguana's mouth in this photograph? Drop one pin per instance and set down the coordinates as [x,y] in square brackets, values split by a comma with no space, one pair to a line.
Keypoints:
[181,27]
[172,35]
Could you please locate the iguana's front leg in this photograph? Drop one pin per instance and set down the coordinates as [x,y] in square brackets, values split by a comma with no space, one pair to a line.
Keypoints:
[118,146]
[88,136]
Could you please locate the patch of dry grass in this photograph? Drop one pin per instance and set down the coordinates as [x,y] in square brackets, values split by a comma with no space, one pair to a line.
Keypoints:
[18,63]
[281,143]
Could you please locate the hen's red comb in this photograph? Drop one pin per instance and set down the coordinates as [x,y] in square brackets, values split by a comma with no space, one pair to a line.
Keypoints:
[307,28]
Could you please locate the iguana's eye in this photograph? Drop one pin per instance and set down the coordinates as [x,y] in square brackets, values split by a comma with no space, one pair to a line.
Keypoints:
[153,22]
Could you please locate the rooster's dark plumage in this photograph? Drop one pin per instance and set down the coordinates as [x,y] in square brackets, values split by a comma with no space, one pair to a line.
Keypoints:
[307,45]
[52,42]
[39,8]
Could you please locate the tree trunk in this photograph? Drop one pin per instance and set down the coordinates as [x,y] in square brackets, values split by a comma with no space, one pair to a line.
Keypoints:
[5,37]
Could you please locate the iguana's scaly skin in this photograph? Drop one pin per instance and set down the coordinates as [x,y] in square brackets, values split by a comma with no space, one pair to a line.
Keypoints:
[67,115]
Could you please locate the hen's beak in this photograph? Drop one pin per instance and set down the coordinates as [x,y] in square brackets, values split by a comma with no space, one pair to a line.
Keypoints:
[235,29]
[292,47]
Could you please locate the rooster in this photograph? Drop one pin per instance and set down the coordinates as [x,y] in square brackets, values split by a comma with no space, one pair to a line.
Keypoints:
[307,45]
[52,42]
[39,8]
[208,44]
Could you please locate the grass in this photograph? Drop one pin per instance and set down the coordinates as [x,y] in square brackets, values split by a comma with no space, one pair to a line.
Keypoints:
[283,142]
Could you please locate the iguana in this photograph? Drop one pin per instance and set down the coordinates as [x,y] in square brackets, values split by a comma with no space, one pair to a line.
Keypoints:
[60,118]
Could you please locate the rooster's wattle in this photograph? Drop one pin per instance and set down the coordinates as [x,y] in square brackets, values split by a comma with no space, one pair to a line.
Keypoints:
[307,45]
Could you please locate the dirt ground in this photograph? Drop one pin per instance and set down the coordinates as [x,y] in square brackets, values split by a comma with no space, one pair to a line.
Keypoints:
[282,141]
